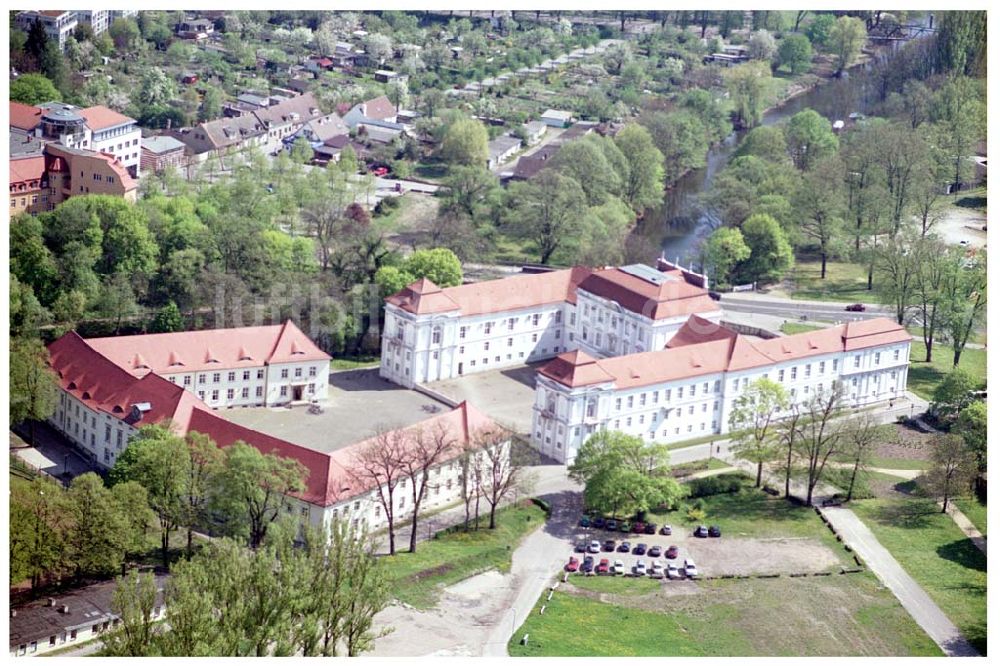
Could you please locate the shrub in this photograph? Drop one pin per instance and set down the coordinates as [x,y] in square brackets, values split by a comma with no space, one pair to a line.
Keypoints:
[543,505]
[695,515]
[716,485]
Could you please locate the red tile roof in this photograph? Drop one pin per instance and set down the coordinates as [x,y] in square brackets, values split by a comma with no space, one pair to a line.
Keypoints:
[674,297]
[511,293]
[24,116]
[214,349]
[27,169]
[101,117]
[702,347]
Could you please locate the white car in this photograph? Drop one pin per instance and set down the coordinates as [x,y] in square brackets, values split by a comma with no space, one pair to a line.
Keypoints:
[690,569]
[619,567]
[673,573]
[656,571]
[594,547]
[640,568]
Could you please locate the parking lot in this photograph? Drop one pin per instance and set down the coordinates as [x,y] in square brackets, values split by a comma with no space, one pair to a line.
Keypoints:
[506,396]
[351,393]
[722,556]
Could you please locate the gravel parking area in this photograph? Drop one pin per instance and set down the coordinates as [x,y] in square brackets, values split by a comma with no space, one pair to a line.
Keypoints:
[719,556]
[352,393]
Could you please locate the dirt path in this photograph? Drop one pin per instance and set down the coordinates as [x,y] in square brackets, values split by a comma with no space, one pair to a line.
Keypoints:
[967,527]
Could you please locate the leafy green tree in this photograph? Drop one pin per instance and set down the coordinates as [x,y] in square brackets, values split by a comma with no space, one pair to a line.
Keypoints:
[27,315]
[964,290]
[167,319]
[117,300]
[762,46]
[585,162]
[98,528]
[33,386]
[211,104]
[133,602]
[709,109]
[33,89]
[472,190]
[954,466]
[133,501]
[125,34]
[643,186]
[465,143]
[953,394]
[205,460]
[546,210]
[819,438]
[861,437]
[820,29]
[961,43]
[810,139]
[748,85]
[897,264]
[959,116]
[767,143]
[253,489]
[158,460]
[681,139]
[155,88]
[971,427]
[795,53]
[439,265]
[624,473]
[847,36]
[820,202]
[53,66]
[771,255]
[753,415]
[302,151]
[724,249]
[39,520]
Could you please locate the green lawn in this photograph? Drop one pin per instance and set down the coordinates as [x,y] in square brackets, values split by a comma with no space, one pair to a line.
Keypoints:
[699,466]
[900,463]
[932,549]
[924,377]
[833,616]
[791,328]
[354,363]
[974,510]
[754,513]
[844,282]
[453,556]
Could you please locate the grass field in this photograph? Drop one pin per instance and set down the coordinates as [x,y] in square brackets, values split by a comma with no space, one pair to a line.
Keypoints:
[835,616]
[974,510]
[932,549]
[844,282]
[616,584]
[698,466]
[450,557]
[353,363]
[791,328]
[925,377]
[900,463]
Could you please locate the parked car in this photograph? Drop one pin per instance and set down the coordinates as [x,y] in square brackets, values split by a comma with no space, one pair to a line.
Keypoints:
[666,530]
[639,527]
[650,528]
[598,522]
[594,547]
[623,526]
[656,571]
[573,564]
[671,553]
[640,549]
[673,573]
[611,525]
[640,568]
[701,532]
[380,171]
[588,565]
[690,569]
[619,568]
[855,307]
[655,551]
[609,546]
[624,547]
[585,521]
[714,531]
[715,296]
[602,566]
[581,547]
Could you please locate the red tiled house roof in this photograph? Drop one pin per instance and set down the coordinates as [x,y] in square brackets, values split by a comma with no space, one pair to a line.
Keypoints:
[101,117]
[675,297]
[24,116]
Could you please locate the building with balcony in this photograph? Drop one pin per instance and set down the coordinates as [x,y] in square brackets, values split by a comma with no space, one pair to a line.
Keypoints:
[58,24]
[98,19]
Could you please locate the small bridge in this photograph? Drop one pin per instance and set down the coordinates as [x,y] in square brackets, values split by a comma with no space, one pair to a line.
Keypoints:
[898,32]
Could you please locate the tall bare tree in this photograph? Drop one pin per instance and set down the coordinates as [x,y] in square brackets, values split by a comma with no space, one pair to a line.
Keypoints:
[501,470]
[954,467]
[821,438]
[379,464]
[469,460]
[861,436]
[790,433]
[426,449]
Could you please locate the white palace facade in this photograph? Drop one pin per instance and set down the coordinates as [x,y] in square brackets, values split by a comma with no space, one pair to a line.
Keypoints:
[432,333]
[687,389]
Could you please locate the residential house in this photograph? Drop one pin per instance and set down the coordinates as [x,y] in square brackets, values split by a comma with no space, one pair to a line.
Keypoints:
[223,136]
[70,618]
[283,119]
[114,133]
[379,109]
[534,131]
[195,28]
[58,24]
[98,19]
[556,118]
[319,130]
[29,185]
[158,152]
[501,149]
[386,76]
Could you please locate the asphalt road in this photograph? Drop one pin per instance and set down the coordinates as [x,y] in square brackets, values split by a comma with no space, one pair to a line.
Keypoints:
[913,598]
[792,309]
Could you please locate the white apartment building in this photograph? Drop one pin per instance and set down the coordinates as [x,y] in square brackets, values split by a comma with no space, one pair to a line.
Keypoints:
[99,19]
[58,24]
[115,133]
[687,389]
[432,333]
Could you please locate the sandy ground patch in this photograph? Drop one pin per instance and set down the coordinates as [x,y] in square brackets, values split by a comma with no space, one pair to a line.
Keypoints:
[962,224]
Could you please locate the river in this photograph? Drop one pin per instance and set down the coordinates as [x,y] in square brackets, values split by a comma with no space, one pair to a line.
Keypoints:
[680,224]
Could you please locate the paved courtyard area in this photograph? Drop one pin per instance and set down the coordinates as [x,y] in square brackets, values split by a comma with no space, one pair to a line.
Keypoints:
[505,395]
[358,403]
